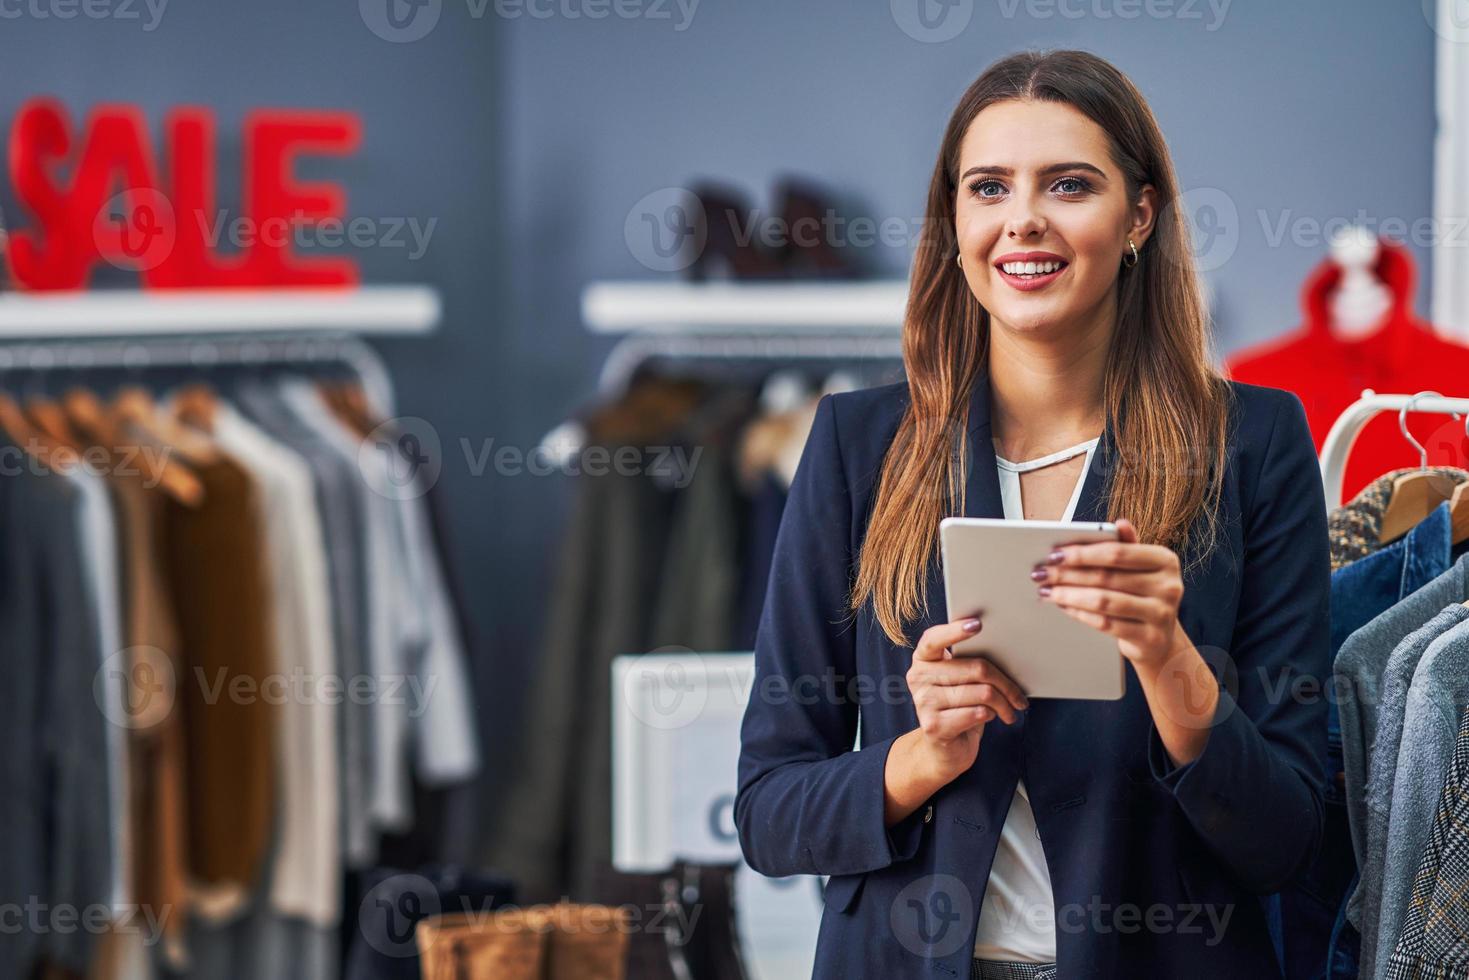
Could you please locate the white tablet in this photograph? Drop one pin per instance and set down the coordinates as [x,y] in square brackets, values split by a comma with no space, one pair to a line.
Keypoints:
[987,564]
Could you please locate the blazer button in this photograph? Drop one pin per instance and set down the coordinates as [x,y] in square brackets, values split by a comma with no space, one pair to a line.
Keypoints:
[928,814]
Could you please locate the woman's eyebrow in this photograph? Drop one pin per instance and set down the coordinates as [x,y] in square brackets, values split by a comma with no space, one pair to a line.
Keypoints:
[1043,171]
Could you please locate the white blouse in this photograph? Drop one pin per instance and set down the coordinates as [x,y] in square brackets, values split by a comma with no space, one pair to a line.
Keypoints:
[1018,918]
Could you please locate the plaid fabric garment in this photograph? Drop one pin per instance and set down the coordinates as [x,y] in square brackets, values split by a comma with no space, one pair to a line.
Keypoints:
[1434,944]
[997,970]
[1353,527]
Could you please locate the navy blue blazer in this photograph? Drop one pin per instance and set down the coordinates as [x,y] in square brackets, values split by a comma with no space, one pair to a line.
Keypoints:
[1157,869]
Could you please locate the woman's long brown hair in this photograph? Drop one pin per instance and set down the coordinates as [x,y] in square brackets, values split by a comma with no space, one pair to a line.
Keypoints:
[1170,433]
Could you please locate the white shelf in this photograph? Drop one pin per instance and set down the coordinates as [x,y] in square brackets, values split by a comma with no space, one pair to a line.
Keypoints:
[128,312]
[656,307]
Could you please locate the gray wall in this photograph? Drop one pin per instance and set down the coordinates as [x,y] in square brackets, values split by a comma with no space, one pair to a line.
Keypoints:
[531,139]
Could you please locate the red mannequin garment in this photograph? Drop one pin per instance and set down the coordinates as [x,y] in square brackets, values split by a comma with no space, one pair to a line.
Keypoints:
[1404,356]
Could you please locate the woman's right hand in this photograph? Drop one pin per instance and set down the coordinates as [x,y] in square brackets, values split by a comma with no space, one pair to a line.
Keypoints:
[956,697]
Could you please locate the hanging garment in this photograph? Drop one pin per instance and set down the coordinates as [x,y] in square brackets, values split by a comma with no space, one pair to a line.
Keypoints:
[155,730]
[1435,938]
[1404,356]
[1359,670]
[216,566]
[441,730]
[341,505]
[1355,525]
[1365,906]
[695,606]
[58,839]
[606,577]
[1438,693]
[307,878]
[99,561]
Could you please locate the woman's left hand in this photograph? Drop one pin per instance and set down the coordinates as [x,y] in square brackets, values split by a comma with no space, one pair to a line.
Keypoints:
[1124,588]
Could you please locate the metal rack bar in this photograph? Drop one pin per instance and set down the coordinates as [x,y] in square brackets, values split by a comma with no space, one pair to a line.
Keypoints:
[141,353]
[1349,424]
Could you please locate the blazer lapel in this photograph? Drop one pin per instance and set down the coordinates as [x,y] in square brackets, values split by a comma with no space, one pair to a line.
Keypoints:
[982,484]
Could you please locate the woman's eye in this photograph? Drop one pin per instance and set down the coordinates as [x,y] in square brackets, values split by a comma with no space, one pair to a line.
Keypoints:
[977,187]
[1077,185]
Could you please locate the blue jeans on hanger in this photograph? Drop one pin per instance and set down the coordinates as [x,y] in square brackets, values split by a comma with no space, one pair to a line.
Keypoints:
[1308,919]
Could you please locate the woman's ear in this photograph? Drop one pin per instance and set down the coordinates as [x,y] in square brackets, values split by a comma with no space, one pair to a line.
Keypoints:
[1144,215]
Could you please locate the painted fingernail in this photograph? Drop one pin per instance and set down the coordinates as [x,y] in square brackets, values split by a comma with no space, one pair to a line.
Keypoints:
[1044,590]
[1039,574]
[1055,557]
[971,625]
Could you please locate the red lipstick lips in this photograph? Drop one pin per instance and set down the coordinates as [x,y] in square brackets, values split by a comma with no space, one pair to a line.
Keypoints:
[1033,281]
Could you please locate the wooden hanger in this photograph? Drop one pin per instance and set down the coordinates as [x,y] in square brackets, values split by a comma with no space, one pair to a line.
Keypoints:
[48,417]
[349,404]
[33,442]
[90,416]
[1414,495]
[135,405]
[196,405]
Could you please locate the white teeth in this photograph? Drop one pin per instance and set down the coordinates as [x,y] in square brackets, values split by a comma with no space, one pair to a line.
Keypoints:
[1030,268]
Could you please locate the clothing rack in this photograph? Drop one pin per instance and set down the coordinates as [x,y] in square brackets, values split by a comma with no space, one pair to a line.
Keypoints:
[733,322]
[1344,431]
[631,353]
[242,350]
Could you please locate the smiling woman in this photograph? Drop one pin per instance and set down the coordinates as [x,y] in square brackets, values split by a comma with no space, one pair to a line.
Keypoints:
[1055,330]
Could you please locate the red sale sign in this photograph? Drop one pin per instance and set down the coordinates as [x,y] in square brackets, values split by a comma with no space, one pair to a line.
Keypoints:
[118,207]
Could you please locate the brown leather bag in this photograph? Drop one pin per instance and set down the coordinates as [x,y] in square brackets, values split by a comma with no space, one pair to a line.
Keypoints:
[565,941]
[509,944]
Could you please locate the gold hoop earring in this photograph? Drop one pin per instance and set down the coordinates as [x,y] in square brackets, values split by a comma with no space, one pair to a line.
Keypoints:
[959,258]
[1135,257]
